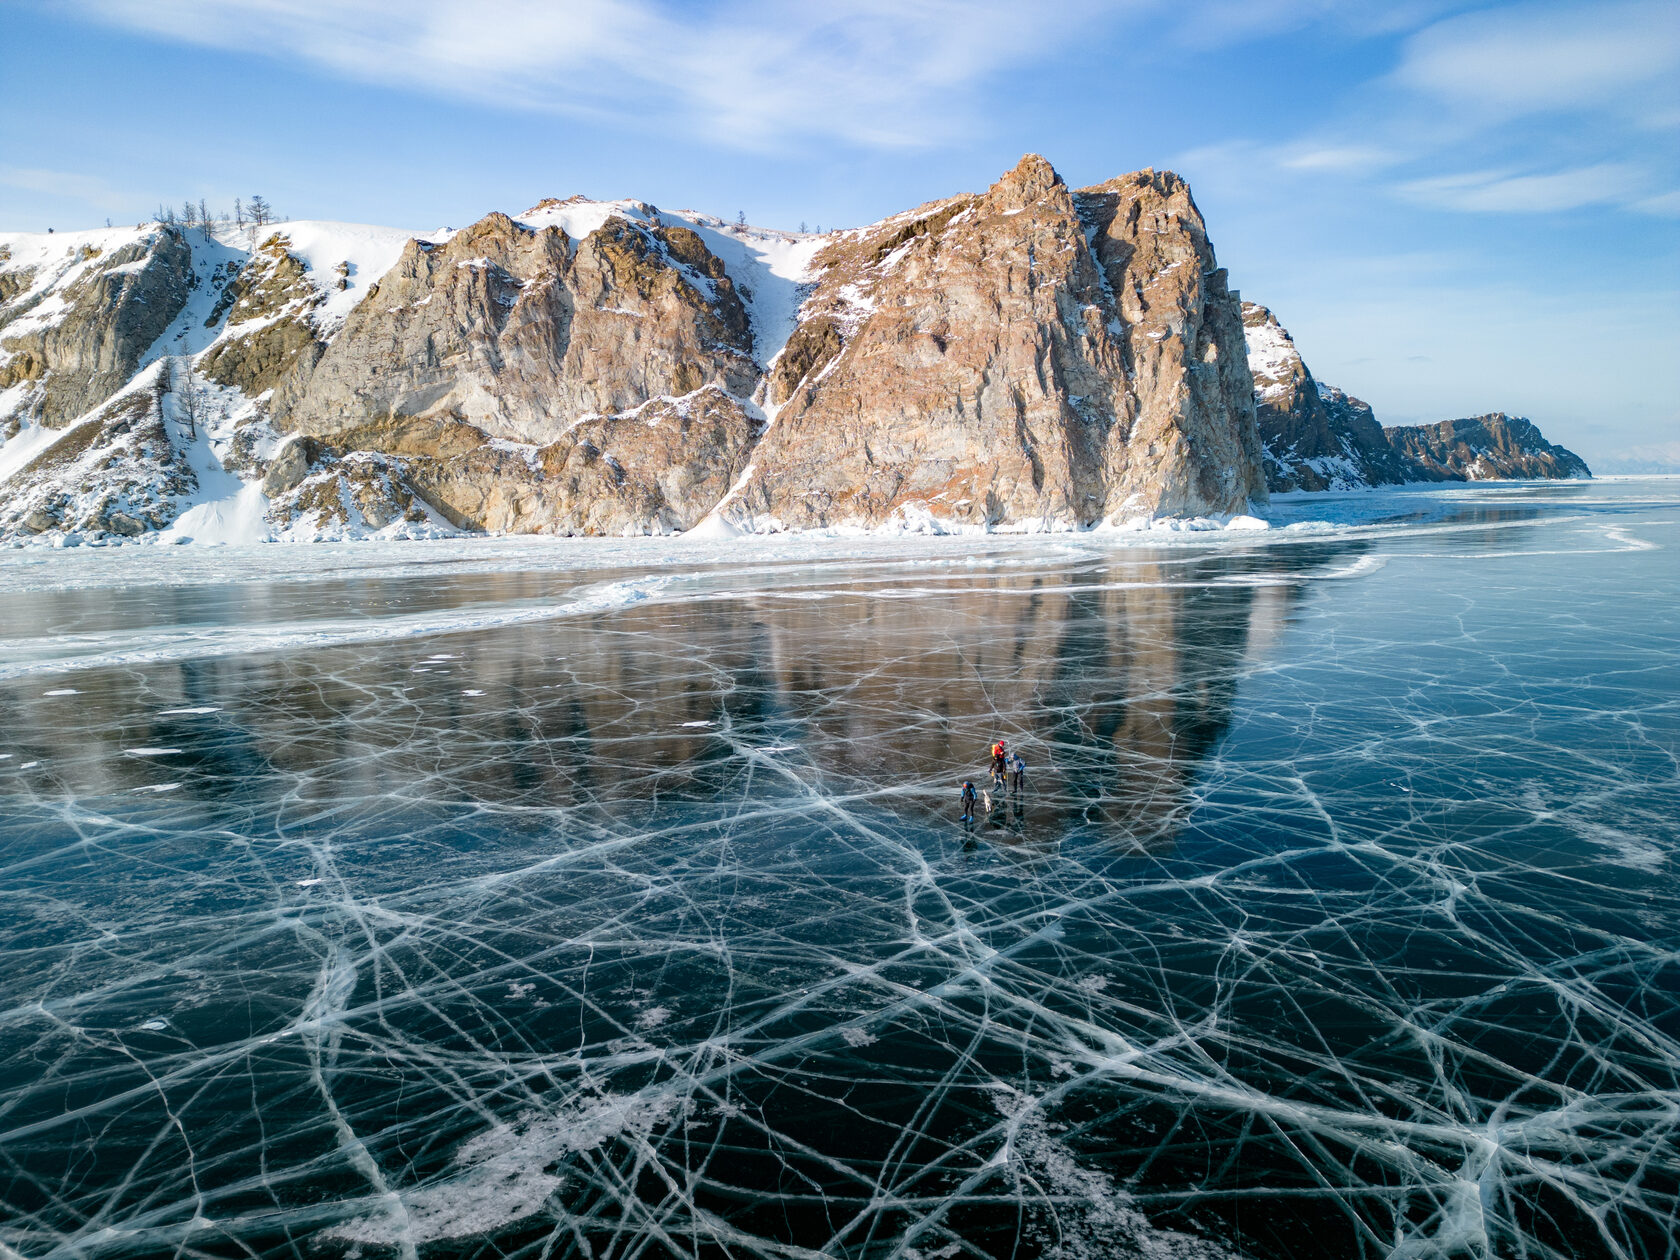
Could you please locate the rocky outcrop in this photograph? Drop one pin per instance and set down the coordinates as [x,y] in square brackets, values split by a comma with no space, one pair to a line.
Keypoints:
[116,472]
[658,468]
[1315,436]
[1026,356]
[266,311]
[78,334]
[521,331]
[1483,448]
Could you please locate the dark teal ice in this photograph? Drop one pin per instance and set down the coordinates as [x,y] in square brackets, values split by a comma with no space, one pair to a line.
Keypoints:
[546,898]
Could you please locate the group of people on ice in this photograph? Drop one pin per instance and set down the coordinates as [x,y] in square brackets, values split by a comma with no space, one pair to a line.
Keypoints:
[1009,773]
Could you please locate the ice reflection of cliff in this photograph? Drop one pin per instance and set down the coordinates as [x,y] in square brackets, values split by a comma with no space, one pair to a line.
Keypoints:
[1113,681]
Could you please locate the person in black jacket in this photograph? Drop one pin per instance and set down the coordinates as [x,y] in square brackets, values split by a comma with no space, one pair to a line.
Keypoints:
[967,801]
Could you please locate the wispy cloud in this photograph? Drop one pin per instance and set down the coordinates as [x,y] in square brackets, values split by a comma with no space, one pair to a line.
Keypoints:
[1212,23]
[1666,204]
[1352,158]
[1524,109]
[1507,192]
[1515,61]
[65,184]
[748,73]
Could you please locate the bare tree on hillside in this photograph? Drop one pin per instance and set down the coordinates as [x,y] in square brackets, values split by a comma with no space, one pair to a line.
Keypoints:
[238,212]
[190,404]
[259,210]
[189,215]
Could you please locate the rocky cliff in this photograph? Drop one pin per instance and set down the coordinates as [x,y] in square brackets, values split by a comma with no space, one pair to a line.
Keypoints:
[1482,448]
[1316,437]
[76,323]
[1028,357]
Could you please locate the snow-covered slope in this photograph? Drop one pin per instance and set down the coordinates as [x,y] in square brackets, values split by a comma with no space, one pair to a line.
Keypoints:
[168,453]
[771,269]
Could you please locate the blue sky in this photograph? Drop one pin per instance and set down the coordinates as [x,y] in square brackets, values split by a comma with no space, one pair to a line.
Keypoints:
[1454,208]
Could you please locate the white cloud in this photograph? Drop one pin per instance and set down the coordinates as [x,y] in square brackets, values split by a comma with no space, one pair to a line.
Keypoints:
[1665,205]
[1524,60]
[1523,109]
[66,184]
[749,73]
[1351,158]
[1213,23]
[1607,183]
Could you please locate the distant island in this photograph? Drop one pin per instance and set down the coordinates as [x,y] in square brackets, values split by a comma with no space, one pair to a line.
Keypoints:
[1033,357]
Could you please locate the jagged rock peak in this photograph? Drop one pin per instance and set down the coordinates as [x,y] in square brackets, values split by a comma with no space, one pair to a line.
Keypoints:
[555,203]
[1163,182]
[1029,180]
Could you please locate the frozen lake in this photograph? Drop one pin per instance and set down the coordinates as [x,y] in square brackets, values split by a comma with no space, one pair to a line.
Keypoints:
[529,897]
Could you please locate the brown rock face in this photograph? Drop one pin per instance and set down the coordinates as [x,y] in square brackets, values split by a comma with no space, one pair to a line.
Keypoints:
[118,306]
[1314,436]
[1027,355]
[658,468]
[511,330]
[1194,447]
[1483,448]
[272,296]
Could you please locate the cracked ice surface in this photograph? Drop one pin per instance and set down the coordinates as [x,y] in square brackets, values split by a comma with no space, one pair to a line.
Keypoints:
[494,898]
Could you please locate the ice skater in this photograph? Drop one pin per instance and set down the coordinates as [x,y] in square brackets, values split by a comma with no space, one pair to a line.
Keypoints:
[1000,765]
[967,801]
[1017,774]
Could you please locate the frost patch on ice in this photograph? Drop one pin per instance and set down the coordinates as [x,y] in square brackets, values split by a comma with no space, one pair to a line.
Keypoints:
[197,709]
[1630,850]
[151,752]
[62,691]
[1095,1220]
[503,1175]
